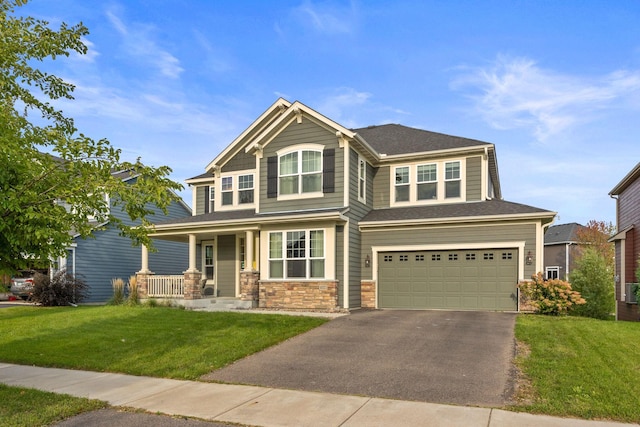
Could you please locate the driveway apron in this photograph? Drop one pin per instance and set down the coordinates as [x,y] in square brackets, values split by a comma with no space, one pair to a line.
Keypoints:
[432,356]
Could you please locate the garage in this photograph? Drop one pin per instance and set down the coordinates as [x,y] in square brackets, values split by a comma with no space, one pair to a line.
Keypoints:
[479,279]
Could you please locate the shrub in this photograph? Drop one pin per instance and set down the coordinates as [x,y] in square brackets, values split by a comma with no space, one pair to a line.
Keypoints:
[594,279]
[132,288]
[553,297]
[118,292]
[60,290]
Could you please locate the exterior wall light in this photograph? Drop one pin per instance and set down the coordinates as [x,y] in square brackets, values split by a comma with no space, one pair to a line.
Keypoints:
[529,258]
[367,262]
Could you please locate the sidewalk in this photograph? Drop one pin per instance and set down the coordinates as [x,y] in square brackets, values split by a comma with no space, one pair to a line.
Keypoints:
[260,406]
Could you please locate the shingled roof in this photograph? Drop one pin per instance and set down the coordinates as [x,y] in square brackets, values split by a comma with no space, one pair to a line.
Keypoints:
[493,207]
[394,139]
[561,233]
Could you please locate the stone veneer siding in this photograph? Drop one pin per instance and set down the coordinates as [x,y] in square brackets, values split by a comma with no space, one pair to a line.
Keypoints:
[368,294]
[249,286]
[308,295]
[192,287]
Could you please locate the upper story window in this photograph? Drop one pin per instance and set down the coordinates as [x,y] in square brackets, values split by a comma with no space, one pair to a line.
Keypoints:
[237,189]
[452,179]
[402,184]
[300,172]
[427,182]
[362,180]
[227,190]
[422,183]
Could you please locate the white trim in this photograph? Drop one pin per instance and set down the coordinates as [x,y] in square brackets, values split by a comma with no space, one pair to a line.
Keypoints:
[345,264]
[400,224]
[347,173]
[446,247]
[236,205]
[194,200]
[299,149]
[203,267]
[362,199]
[441,183]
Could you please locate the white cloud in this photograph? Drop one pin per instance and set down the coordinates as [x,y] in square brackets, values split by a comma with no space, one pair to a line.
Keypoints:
[139,44]
[343,100]
[323,18]
[517,93]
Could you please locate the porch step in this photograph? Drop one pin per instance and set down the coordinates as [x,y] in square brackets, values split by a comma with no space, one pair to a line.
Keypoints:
[227,303]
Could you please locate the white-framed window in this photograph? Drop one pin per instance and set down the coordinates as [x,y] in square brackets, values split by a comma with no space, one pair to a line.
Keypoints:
[226,189]
[452,180]
[552,273]
[212,198]
[300,172]
[208,261]
[236,189]
[297,254]
[402,186]
[427,181]
[245,189]
[362,180]
[421,183]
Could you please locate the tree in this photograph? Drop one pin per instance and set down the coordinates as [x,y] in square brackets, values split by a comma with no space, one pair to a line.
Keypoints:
[593,278]
[596,235]
[45,197]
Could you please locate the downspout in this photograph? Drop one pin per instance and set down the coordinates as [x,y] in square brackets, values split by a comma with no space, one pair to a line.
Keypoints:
[566,255]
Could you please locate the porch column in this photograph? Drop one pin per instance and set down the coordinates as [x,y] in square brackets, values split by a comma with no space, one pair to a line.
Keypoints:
[192,253]
[144,260]
[248,256]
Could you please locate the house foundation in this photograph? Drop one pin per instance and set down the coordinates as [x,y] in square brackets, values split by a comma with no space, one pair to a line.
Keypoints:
[311,295]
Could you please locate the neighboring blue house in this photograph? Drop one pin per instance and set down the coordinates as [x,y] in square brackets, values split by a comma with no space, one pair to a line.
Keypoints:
[107,256]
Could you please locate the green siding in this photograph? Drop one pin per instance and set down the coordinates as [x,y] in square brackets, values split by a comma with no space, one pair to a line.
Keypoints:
[452,236]
[381,187]
[199,207]
[307,132]
[239,162]
[474,178]
[226,278]
[339,253]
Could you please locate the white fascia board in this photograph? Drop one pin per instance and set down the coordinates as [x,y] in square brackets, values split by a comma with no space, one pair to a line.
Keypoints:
[297,108]
[204,180]
[244,224]
[372,225]
[281,104]
[384,158]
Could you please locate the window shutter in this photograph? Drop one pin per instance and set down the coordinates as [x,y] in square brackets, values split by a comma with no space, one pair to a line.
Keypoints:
[272,177]
[206,199]
[329,170]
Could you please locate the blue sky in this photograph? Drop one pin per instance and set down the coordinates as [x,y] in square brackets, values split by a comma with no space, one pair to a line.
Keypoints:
[555,85]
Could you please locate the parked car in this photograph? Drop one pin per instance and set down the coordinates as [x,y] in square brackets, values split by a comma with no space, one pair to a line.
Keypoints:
[22,283]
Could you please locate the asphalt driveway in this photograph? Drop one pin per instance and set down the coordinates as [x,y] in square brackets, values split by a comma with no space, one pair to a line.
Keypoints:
[432,356]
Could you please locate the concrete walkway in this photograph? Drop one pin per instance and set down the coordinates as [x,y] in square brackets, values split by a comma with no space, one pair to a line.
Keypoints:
[261,406]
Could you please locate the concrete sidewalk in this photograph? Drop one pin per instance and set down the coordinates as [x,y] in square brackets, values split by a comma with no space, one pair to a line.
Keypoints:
[260,406]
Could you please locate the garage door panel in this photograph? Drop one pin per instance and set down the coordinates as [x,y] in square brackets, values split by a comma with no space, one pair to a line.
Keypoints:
[461,280]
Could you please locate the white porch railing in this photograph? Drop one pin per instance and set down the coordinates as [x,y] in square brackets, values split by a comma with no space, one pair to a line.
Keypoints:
[165,286]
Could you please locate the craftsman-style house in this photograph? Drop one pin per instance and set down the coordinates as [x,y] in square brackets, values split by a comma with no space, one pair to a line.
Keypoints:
[299,212]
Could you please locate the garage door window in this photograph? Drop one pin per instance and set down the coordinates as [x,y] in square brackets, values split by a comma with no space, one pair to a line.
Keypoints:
[296,254]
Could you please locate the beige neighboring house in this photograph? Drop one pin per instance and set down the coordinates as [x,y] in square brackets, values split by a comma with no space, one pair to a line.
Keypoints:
[301,212]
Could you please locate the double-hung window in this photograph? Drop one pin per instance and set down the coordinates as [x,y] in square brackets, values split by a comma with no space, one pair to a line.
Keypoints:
[245,189]
[452,179]
[300,172]
[227,190]
[427,182]
[296,254]
[402,184]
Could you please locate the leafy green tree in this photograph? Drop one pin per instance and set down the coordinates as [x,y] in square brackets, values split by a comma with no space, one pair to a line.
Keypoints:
[45,197]
[594,279]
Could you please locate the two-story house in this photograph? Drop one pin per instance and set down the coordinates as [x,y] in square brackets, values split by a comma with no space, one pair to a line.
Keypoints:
[627,243]
[561,249]
[300,212]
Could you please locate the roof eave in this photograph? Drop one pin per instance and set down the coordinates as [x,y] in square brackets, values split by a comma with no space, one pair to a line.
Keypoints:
[626,181]
[456,220]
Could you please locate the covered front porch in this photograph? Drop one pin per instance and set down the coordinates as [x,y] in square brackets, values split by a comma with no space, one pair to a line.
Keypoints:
[264,261]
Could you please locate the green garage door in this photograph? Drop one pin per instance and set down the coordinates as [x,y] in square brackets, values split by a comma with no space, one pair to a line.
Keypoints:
[455,280]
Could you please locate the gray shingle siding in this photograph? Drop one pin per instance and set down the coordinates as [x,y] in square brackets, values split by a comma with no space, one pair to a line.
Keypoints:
[240,161]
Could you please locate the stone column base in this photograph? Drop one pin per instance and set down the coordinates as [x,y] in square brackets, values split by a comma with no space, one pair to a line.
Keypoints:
[192,287]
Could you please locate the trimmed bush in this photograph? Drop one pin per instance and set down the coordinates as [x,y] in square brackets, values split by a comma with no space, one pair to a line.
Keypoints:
[60,290]
[552,297]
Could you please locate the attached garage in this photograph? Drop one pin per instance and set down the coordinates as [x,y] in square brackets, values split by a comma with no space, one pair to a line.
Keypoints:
[478,279]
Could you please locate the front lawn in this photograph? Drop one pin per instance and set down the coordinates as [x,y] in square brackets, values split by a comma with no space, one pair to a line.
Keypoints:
[157,342]
[581,367]
[20,407]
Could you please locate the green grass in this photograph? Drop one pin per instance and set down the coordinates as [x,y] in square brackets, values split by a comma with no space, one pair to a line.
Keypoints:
[20,407]
[581,367]
[158,342]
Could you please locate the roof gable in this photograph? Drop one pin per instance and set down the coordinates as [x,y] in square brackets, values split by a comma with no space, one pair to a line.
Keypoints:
[626,181]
